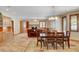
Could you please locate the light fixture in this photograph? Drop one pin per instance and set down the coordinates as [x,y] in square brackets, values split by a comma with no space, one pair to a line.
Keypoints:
[56,17]
[7,9]
[35,20]
[53,18]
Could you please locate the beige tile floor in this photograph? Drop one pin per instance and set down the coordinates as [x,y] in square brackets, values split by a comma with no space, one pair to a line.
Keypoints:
[21,43]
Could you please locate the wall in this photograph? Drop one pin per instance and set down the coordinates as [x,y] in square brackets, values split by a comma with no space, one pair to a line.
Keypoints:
[16,26]
[57,24]
[48,23]
[74,35]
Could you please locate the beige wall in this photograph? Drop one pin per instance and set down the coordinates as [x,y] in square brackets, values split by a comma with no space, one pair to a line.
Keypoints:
[57,24]
[74,35]
[48,23]
[16,26]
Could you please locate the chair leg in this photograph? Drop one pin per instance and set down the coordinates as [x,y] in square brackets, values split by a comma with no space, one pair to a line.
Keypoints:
[41,44]
[37,43]
[56,45]
[68,43]
[63,45]
[44,43]
[53,44]
[47,44]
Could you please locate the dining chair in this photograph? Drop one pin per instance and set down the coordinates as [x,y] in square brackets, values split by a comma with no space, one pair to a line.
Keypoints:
[38,37]
[60,39]
[67,38]
[50,39]
[39,34]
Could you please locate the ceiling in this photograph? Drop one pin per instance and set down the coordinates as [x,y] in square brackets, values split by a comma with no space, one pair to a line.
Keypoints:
[36,12]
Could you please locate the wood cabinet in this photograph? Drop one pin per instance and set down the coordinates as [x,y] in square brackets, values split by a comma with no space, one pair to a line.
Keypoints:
[1,23]
[5,23]
[5,27]
[33,33]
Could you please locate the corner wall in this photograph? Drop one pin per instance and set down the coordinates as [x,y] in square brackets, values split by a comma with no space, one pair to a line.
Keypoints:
[16,26]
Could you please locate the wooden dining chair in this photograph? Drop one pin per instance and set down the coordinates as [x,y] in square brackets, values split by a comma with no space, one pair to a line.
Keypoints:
[39,33]
[60,39]
[67,38]
[50,39]
[38,37]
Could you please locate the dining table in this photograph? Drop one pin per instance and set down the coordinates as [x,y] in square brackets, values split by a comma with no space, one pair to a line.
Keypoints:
[45,36]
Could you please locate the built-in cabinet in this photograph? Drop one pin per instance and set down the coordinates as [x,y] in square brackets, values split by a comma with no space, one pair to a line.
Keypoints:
[6,28]
[5,23]
[1,23]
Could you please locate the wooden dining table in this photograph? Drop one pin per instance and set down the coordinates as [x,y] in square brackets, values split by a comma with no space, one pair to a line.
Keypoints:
[44,38]
[48,36]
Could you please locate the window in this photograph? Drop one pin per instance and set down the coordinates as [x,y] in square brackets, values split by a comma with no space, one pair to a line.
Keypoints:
[42,24]
[73,23]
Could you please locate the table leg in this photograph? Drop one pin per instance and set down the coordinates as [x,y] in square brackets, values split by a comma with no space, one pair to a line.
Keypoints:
[41,42]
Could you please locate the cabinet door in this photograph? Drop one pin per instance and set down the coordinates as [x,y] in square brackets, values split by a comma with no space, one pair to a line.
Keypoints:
[1,21]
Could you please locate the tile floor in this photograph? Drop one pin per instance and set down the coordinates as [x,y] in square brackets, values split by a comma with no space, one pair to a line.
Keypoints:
[21,43]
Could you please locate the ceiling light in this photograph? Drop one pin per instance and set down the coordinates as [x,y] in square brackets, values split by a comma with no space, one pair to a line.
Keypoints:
[7,9]
[53,18]
[35,20]
[56,18]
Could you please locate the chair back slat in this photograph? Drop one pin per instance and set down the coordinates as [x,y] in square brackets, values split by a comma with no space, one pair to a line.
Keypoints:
[51,34]
[60,34]
[68,33]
